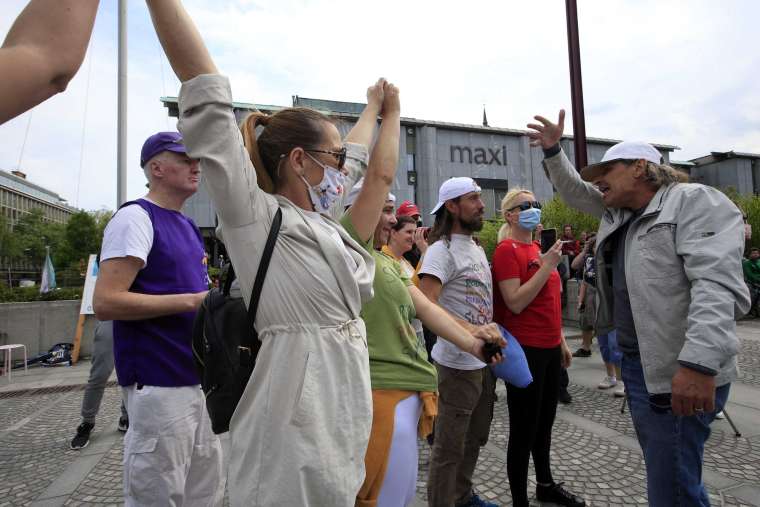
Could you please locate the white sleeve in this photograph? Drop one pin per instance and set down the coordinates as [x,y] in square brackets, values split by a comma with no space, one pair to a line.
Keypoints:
[437,262]
[128,234]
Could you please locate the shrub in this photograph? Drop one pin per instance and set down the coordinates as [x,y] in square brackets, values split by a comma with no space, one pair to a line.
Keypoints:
[27,294]
[556,213]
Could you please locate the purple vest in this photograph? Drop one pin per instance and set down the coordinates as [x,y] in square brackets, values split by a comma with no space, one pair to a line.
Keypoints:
[157,351]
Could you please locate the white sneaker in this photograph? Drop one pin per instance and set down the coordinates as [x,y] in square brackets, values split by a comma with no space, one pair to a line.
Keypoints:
[720,415]
[607,383]
[619,390]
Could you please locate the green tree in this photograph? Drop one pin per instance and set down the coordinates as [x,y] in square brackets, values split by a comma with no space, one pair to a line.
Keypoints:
[82,238]
[33,233]
[556,213]
[9,245]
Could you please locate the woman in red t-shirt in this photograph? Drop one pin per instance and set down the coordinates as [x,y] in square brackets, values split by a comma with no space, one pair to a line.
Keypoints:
[527,303]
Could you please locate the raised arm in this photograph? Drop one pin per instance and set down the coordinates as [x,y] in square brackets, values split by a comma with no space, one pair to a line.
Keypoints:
[180,39]
[571,188]
[365,212]
[357,143]
[364,129]
[42,52]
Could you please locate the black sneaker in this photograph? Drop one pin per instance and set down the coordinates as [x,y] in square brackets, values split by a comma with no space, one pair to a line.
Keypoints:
[558,495]
[564,397]
[581,352]
[82,438]
[123,425]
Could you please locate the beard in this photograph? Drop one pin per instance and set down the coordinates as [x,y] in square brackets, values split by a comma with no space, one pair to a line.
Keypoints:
[474,224]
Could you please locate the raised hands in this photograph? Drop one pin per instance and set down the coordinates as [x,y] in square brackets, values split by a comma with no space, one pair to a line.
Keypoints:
[547,134]
[391,101]
[376,95]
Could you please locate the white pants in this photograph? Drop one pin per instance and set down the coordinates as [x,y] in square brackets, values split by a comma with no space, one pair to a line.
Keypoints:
[400,482]
[171,456]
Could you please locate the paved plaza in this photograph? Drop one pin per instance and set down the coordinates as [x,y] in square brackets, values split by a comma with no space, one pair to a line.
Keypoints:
[594,447]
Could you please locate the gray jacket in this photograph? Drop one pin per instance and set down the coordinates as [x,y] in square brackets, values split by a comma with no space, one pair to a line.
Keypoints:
[683,270]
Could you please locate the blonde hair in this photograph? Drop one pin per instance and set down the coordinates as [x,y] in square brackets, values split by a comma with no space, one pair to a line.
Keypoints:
[660,175]
[510,201]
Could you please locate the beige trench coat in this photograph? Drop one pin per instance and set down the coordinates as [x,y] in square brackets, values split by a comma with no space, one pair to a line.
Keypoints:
[300,431]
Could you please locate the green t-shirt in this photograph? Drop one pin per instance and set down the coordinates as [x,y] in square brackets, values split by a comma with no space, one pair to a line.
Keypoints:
[397,357]
[751,270]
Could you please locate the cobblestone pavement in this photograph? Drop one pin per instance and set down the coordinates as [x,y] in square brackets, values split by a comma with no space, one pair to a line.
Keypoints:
[594,450]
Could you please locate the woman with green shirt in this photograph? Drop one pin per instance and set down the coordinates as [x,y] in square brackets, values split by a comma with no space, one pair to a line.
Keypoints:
[404,383]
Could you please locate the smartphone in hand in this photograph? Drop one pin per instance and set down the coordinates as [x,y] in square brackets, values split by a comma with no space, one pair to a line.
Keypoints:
[548,238]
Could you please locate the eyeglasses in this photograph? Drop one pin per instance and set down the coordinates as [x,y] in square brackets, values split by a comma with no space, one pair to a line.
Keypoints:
[526,205]
[340,155]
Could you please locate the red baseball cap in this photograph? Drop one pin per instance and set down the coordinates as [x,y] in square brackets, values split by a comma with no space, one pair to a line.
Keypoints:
[407,208]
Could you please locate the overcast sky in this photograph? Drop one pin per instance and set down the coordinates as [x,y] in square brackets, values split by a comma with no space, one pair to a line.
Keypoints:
[685,73]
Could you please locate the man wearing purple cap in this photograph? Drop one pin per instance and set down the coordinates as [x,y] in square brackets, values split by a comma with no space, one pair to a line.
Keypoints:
[669,255]
[152,279]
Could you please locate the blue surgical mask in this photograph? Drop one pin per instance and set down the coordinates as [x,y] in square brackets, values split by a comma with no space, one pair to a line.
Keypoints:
[529,218]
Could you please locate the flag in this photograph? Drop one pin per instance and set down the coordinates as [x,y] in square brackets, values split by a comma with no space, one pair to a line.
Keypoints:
[48,275]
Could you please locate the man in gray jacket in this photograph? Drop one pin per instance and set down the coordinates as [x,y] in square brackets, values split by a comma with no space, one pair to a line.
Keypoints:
[669,257]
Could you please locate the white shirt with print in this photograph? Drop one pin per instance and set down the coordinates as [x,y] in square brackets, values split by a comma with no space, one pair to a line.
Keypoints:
[467,292]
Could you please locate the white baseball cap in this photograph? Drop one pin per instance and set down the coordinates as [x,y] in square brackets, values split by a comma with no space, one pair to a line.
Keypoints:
[627,150]
[453,188]
[354,193]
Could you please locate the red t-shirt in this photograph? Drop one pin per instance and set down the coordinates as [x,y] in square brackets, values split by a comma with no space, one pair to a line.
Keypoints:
[540,323]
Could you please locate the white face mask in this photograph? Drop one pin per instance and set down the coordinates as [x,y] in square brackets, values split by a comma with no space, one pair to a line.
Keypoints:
[324,194]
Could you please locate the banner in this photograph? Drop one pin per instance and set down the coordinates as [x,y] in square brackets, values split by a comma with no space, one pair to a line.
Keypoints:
[48,274]
[89,286]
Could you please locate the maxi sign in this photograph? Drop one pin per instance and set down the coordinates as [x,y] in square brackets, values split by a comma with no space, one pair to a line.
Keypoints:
[481,156]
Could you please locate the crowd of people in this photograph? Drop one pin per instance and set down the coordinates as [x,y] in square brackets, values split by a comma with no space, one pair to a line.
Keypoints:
[375,330]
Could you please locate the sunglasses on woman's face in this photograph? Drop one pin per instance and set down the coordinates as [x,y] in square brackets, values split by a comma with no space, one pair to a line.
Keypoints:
[526,205]
[340,155]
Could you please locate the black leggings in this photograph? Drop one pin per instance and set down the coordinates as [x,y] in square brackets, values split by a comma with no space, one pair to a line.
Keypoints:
[531,417]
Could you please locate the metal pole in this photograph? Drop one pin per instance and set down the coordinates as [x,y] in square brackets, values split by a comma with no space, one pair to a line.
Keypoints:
[576,85]
[121,117]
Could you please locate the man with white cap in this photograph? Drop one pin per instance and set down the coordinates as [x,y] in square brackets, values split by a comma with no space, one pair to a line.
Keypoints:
[669,256]
[456,275]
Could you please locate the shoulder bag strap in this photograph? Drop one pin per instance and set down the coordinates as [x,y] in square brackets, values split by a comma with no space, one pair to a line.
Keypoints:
[261,274]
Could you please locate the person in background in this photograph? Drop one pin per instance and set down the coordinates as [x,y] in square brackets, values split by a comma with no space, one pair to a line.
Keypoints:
[414,257]
[42,52]
[414,254]
[747,234]
[751,270]
[100,371]
[586,301]
[527,303]
[402,236]
[611,355]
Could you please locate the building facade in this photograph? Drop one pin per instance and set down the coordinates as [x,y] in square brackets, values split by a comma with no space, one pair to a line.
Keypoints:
[728,169]
[430,152]
[18,197]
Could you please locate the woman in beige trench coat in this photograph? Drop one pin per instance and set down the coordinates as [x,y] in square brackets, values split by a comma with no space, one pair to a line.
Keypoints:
[299,433]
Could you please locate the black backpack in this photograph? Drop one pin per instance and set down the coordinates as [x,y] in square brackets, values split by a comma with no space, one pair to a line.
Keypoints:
[225,343]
